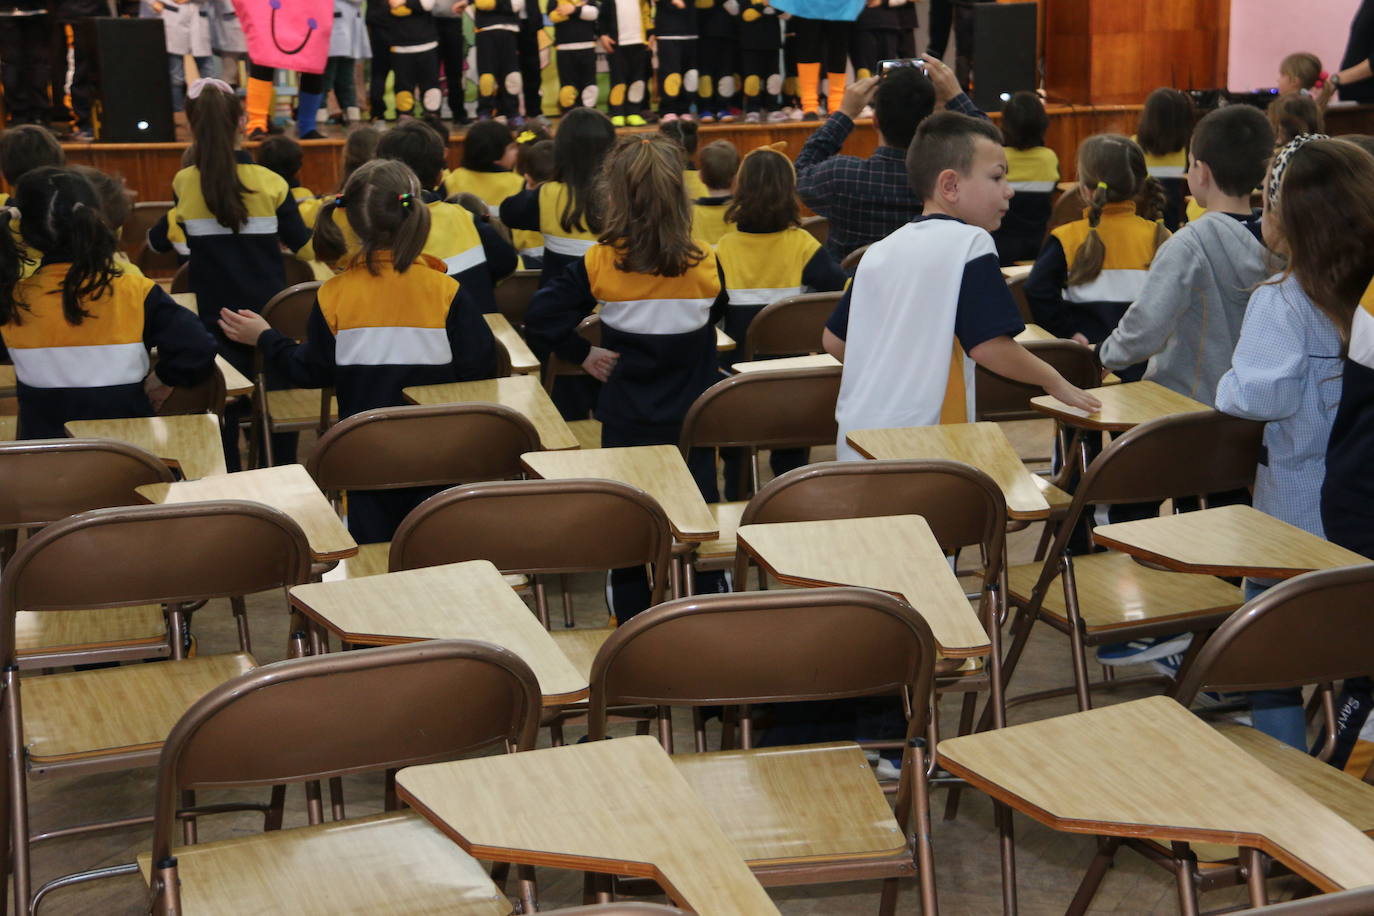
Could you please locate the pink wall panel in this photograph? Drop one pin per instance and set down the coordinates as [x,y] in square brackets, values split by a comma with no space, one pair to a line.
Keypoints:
[1263,32]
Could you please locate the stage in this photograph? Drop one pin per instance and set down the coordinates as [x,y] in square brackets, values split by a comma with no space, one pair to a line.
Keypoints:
[148,167]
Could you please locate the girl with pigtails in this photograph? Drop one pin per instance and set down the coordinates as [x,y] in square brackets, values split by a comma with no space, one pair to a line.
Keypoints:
[392,319]
[1092,269]
[79,329]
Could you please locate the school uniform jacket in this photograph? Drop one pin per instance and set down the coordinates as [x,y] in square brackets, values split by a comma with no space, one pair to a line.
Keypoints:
[538,210]
[95,370]
[501,15]
[1093,309]
[708,219]
[662,327]
[371,336]
[763,267]
[411,27]
[671,22]
[1348,491]
[1033,174]
[608,23]
[758,27]
[577,31]
[491,185]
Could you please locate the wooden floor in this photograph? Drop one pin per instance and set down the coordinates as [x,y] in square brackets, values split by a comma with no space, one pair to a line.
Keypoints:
[1050,864]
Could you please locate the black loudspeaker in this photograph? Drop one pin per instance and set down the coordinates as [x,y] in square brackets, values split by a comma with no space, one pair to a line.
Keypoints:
[133,91]
[1004,36]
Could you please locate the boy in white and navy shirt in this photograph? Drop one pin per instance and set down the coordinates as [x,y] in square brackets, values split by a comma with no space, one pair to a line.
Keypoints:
[929,300]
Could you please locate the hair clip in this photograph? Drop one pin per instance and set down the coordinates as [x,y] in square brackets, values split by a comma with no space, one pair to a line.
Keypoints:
[405,198]
[340,200]
[644,139]
[196,88]
[526,136]
[1102,186]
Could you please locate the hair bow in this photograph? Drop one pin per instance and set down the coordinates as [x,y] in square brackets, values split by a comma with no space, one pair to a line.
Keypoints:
[199,86]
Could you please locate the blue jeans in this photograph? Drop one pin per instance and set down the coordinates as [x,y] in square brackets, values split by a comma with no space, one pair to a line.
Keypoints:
[1277,713]
[176,67]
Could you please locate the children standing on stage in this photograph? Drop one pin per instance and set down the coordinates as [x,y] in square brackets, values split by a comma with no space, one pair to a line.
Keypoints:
[760,40]
[574,40]
[414,56]
[684,133]
[675,32]
[497,26]
[623,37]
[719,162]
[1033,170]
[717,55]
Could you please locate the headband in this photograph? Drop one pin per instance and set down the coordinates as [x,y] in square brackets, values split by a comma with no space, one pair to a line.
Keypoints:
[199,86]
[1281,161]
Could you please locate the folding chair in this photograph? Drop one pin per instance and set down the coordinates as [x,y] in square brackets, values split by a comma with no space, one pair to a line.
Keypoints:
[117,718]
[331,716]
[788,327]
[133,239]
[1003,400]
[45,480]
[513,296]
[828,820]
[851,261]
[793,408]
[1108,597]
[438,445]
[1312,629]
[288,409]
[818,226]
[1357,902]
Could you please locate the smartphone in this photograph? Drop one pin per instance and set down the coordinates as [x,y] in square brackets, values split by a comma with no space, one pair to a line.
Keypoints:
[887,66]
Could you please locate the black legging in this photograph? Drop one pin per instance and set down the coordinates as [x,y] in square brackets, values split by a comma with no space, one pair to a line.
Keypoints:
[823,41]
[310,82]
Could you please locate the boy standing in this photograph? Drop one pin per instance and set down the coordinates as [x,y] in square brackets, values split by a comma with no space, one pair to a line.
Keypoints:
[1187,318]
[932,289]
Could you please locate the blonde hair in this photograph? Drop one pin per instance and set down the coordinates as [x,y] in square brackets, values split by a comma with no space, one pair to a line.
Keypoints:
[1113,167]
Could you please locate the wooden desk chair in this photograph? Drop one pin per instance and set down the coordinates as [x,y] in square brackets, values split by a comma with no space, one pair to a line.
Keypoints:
[513,296]
[288,409]
[1003,400]
[828,820]
[330,716]
[117,718]
[754,410]
[181,280]
[133,239]
[45,480]
[538,528]
[207,397]
[1357,902]
[1066,209]
[1312,629]
[589,329]
[818,226]
[1108,597]
[789,327]
[1018,294]
[851,261]
[619,909]
[296,270]
[437,445]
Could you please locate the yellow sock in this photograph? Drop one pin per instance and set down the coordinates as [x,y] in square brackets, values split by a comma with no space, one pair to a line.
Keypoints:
[259,104]
[809,86]
[835,97]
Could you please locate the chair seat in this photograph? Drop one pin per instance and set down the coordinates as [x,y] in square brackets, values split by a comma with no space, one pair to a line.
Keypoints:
[92,714]
[48,632]
[1117,593]
[580,645]
[588,433]
[375,559]
[727,517]
[797,805]
[298,406]
[393,863]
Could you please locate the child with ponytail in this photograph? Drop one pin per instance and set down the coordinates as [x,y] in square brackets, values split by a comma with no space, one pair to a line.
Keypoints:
[390,320]
[79,329]
[1092,269]
[662,295]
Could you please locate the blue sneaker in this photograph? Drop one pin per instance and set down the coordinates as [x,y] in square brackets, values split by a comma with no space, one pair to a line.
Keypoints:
[1139,651]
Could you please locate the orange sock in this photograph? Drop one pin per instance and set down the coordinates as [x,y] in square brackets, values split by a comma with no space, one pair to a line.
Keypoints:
[809,86]
[259,104]
[835,97]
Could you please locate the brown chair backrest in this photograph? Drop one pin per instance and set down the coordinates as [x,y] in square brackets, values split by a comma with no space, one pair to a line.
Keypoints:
[818,226]
[296,270]
[619,909]
[1188,454]
[46,480]
[289,310]
[181,281]
[206,397]
[1001,399]
[160,554]
[1357,902]
[791,408]
[961,504]
[1066,209]
[142,217]
[851,261]
[766,647]
[538,526]
[1310,629]
[514,293]
[158,265]
[790,326]
[345,713]
[425,446]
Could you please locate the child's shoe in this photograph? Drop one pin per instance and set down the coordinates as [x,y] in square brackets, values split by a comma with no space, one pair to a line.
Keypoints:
[668,118]
[635,120]
[753,117]
[707,117]
[618,120]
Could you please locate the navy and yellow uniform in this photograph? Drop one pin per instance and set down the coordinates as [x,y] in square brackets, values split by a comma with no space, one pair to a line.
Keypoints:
[1171,170]
[574,39]
[539,210]
[492,185]
[664,330]
[229,269]
[95,370]
[708,219]
[1093,309]
[629,58]
[675,29]
[497,27]
[370,336]
[718,26]
[760,39]
[307,204]
[1033,174]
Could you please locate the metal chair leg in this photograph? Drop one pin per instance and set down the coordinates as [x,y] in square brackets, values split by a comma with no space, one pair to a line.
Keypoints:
[1092,879]
[565,582]
[1186,874]
[240,608]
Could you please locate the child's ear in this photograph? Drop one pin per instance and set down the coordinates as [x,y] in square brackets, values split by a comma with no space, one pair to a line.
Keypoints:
[947,184]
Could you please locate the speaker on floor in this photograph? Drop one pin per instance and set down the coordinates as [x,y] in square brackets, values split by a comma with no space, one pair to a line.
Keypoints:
[1004,37]
[133,91]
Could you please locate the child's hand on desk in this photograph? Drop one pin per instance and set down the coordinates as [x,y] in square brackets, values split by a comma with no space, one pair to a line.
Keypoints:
[157,392]
[599,363]
[1073,396]
[243,326]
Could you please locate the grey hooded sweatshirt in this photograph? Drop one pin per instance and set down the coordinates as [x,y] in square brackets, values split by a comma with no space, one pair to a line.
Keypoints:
[1187,319]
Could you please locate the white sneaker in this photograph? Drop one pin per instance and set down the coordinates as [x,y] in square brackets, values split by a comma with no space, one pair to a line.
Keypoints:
[752,118]
[795,115]
[776,116]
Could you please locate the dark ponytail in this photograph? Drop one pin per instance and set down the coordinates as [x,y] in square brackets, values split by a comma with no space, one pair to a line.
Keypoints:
[93,248]
[383,203]
[12,261]
[214,115]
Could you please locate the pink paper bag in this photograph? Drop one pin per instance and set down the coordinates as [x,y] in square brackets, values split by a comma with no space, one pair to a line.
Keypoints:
[287,34]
